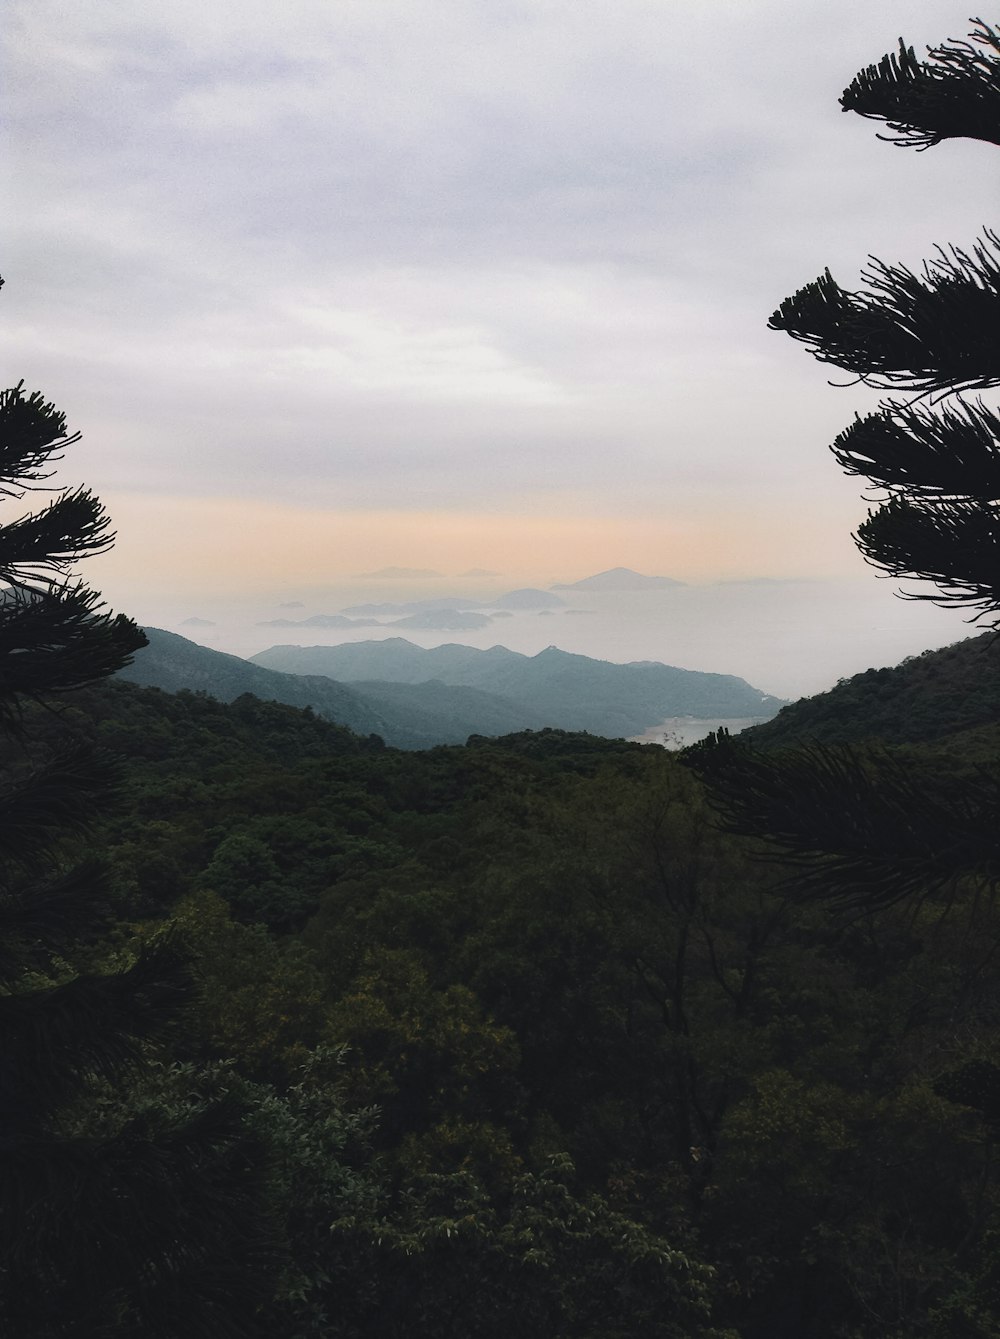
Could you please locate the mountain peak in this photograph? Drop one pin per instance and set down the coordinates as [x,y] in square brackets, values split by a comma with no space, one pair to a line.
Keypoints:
[619,578]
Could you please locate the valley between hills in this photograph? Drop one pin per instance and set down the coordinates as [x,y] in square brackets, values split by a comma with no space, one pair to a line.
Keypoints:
[414,698]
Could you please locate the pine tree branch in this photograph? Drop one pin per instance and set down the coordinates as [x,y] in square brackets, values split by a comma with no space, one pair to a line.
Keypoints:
[45,917]
[155,1234]
[57,640]
[32,435]
[858,829]
[926,455]
[58,799]
[953,543]
[938,331]
[54,1041]
[73,527]
[956,94]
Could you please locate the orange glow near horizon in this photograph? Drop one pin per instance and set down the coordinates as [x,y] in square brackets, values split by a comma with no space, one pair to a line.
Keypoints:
[230,547]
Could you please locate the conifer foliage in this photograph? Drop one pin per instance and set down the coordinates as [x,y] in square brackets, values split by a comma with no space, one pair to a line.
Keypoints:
[873,833]
[953,95]
[133,1227]
[935,334]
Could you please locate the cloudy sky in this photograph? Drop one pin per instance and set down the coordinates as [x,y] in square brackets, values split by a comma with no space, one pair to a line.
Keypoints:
[342,285]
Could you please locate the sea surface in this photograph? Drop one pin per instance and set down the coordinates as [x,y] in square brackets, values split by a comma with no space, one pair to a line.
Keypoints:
[677,732]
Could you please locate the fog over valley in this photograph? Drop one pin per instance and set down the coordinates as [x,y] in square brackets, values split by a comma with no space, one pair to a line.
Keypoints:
[787,637]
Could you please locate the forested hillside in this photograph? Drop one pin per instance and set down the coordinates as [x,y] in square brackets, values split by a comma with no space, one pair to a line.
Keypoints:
[537,1048]
[927,697]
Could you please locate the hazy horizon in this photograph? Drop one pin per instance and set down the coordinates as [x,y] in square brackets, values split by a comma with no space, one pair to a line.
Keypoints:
[788,638]
[333,290]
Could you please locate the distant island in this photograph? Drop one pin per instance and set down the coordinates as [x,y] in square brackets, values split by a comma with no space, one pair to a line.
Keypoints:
[619,578]
[456,613]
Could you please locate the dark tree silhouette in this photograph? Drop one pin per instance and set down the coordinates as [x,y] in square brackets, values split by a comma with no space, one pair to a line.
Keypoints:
[153,1226]
[956,94]
[932,334]
[862,830]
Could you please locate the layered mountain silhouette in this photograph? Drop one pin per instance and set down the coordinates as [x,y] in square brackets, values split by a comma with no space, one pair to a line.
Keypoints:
[415,698]
[174,663]
[569,692]
[407,717]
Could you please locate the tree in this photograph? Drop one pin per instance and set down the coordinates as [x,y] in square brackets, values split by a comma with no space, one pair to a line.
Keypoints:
[869,832]
[133,1226]
[932,334]
[862,829]
[443,1258]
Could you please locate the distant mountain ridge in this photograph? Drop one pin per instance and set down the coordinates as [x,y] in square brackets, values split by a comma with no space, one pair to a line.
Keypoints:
[571,692]
[174,663]
[405,716]
[416,699]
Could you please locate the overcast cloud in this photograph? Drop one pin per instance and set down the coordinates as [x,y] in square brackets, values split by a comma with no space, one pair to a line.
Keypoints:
[371,260]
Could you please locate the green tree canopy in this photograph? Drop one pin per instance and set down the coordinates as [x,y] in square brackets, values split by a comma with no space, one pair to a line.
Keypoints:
[148,1226]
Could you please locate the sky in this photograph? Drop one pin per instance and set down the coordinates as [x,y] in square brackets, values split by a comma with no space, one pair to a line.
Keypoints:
[465,286]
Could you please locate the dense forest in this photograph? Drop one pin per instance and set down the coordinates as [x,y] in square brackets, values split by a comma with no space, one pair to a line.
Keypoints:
[538,1035]
[533,1047]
